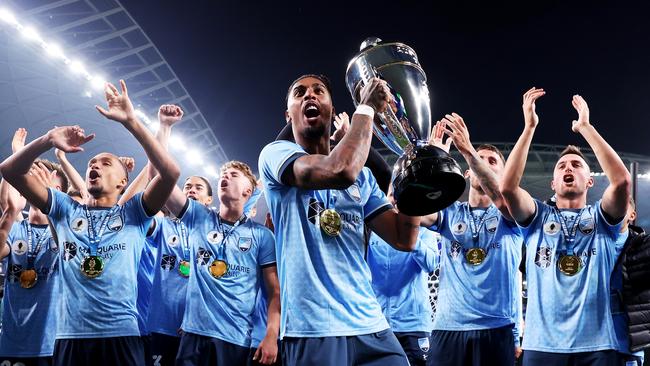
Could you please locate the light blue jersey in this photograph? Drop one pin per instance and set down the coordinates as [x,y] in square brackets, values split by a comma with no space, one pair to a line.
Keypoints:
[325,283]
[485,295]
[29,315]
[104,306]
[568,314]
[247,248]
[619,315]
[399,280]
[169,286]
[145,284]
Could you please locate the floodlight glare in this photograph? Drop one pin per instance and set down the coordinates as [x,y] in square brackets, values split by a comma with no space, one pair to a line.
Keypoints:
[7,16]
[77,67]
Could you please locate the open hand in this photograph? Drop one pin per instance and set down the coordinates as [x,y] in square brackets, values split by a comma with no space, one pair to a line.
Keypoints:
[69,138]
[342,125]
[120,108]
[438,135]
[18,142]
[530,97]
[583,113]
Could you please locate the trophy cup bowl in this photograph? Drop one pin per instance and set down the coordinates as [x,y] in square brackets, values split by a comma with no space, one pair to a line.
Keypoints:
[425,178]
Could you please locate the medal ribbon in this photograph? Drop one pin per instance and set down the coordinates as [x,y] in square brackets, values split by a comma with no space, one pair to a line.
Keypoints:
[181,229]
[31,255]
[222,247]
[473,225]
[569,236]
[94,236]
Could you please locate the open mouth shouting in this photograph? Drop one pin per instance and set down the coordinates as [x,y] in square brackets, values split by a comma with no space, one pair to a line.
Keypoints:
[93,176]
[311,110]
[568,178]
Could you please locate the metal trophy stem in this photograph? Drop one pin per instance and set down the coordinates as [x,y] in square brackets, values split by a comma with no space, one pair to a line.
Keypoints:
[425,178]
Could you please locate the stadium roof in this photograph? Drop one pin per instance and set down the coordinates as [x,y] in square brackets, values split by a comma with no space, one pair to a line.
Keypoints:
[54,57]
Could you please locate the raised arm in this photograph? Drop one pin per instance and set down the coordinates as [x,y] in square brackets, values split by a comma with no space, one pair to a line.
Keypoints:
[138,184]
[617,194]
[15,169]
[340,168]
[121,110]
[6,221]
[488,179]
[7,192]
[76,181]
[520,204]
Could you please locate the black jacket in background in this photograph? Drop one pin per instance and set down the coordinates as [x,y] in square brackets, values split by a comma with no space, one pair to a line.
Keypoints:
[635,264]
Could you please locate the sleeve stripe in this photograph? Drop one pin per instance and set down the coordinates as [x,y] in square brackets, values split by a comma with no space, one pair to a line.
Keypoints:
[376,212]
[291,158]
[269,264]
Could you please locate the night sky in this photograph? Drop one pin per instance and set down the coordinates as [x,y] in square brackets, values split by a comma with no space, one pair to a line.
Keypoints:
[237,62]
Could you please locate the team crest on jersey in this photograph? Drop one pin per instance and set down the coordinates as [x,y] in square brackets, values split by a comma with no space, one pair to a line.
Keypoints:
[424,344]
[168,262]
[115,223]
[456,248]
[69,250]
[203,256]
[245,244]
[355,192]
[79,224]
[214,237]
[173,240]
[586,225]
[14,272]
[19,247]
[491,224]
[459,228]
[543,257]
[552,228]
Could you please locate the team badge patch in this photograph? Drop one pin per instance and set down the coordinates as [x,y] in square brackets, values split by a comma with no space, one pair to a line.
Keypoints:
[70,250]
[115,223]
[168,262]
[543,257]
[456,248]
[79,224]
[586,225]
[245,244]
[552,228]
[423,343]
[173,241]
[459,228]
[491,224]
[19,247]
[355,192]
[203,257]
[214,237]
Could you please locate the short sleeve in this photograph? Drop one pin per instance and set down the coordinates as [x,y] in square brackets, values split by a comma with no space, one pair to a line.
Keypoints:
[426,253]
[274,159]
[134,208]
[266,254]
[157,229]
[535,222]
[377,201]
[59,204]
[194,214]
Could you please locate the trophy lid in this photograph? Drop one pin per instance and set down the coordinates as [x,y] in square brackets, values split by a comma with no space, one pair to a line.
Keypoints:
[369,42]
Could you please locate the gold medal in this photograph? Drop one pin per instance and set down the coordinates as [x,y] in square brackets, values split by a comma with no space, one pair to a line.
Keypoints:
[330,222]
[184,268]
[569,264]
[218,268]
[28,278]
[92,266]
[475,256]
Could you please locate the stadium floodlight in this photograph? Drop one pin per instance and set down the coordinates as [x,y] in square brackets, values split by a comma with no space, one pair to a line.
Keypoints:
[54,50]
[194,157]
[7,16]
[31,34]
[177,143]
[77,67]
[98,82]
[211,171]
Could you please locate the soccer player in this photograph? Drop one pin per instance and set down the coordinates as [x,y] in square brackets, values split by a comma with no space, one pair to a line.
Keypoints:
[31,288]
[476,319]
[101,242]
[319,199]
[231,258]
[399,280]
[571,249]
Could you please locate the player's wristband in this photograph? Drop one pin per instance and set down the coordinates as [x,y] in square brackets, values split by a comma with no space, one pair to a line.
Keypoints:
[365,110]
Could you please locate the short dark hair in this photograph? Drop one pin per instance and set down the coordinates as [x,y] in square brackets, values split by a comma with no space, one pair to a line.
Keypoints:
[572,149]
[51,166]
[208,186]
[493,149]
[321,77]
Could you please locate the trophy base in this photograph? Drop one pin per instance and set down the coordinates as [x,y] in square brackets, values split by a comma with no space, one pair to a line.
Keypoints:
[426,180]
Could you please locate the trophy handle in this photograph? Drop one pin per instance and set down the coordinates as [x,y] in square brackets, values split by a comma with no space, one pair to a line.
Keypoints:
[393,127]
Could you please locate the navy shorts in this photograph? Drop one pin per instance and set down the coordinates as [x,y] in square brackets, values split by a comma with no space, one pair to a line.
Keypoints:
[598,358]
[163,349]
[198,350]
[375,349]
[487,347]
[113,351]
[26,361]
[417,347]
